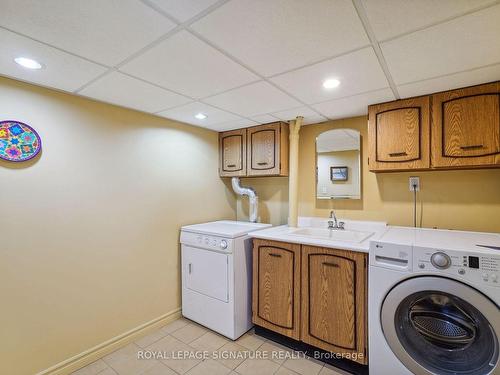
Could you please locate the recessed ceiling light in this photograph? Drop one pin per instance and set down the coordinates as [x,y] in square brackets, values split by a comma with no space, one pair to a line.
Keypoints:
[28,63]
[200,116]
[331,83]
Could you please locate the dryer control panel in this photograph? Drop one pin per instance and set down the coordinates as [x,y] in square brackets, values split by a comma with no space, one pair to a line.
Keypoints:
[476,267]
[209,242]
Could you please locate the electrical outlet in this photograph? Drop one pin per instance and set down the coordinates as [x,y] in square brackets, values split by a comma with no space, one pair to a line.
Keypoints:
[415,183]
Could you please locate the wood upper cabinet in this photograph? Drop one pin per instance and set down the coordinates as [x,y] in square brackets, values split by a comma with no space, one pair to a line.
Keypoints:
[334,300]
[267,147]
[258,151]
[232,153]
[448,130]
[399,135]
[276,287]
[466,127]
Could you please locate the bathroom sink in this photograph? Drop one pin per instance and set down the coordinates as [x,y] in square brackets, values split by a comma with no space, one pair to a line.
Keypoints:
[332,234]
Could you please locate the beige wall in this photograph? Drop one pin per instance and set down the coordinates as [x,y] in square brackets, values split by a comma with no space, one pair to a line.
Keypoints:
[461,199]
[89,230]
[273,199]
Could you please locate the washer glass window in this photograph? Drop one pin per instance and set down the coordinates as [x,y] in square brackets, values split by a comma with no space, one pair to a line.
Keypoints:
[441,331]
[445,334]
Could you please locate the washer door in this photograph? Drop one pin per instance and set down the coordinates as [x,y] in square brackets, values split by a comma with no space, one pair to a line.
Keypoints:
[440,326]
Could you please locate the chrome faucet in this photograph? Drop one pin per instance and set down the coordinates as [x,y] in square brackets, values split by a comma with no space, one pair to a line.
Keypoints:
[333,223]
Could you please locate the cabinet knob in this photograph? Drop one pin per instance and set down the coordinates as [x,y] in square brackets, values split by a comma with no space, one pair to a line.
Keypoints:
[394,154]
[330,264]
[262,163]
[472,147]
[231,165]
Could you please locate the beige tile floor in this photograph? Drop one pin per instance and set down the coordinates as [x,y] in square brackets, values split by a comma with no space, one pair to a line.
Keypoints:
[263,356]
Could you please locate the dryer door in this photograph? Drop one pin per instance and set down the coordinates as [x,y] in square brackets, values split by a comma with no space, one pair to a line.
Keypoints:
[436,325]
[206,272]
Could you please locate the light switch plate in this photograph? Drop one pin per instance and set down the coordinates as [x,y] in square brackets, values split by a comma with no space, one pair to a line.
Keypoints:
[414,181]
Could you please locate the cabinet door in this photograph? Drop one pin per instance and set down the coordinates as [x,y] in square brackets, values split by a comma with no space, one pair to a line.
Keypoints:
[276,287]
[232,153]
[334,300]
[267,150]
[399,135]
[466,127]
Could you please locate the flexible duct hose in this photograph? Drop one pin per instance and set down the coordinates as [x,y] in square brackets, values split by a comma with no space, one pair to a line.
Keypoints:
[252,196]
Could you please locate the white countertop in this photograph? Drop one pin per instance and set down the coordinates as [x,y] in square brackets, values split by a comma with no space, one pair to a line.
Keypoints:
[284,233]
[422,237]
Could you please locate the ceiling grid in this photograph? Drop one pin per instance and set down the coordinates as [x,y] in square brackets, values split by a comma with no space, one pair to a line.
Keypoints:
[251,61]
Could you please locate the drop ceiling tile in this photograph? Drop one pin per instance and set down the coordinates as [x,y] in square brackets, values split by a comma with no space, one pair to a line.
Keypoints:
[357,72]
[275,36]
[257,98]
[187,65]
[450,82]
[105,31]
[310,117]
[187,112]
[60,70]
[120,89]
[182,10]
[264,119]
[464,43]
[356,105]
[389,18]
[231,125]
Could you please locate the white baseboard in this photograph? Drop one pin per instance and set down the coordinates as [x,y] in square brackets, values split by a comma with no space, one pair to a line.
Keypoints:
[93,354]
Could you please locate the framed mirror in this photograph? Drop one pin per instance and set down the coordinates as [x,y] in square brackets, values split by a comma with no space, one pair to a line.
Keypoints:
[338,164]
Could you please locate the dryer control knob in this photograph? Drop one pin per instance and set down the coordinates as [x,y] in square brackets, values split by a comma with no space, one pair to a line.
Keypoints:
[440,260]
[223,244]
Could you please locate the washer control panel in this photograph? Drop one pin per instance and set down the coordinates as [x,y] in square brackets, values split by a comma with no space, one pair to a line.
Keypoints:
[205,241]
[475,267]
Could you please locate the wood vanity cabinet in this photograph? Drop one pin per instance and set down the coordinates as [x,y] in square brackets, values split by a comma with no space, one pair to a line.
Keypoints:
[232,153]
[312,294]
[252,152]
[267,147]
[399,135]
[466,127]
[276,287]
[334,300]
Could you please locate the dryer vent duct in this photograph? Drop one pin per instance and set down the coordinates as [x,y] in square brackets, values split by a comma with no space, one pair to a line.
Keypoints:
[252,196]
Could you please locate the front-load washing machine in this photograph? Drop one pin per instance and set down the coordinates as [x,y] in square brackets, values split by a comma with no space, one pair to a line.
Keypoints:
[434,299]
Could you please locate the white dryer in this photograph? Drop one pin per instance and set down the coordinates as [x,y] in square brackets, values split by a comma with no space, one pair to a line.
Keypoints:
[434,298]
[217,275]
